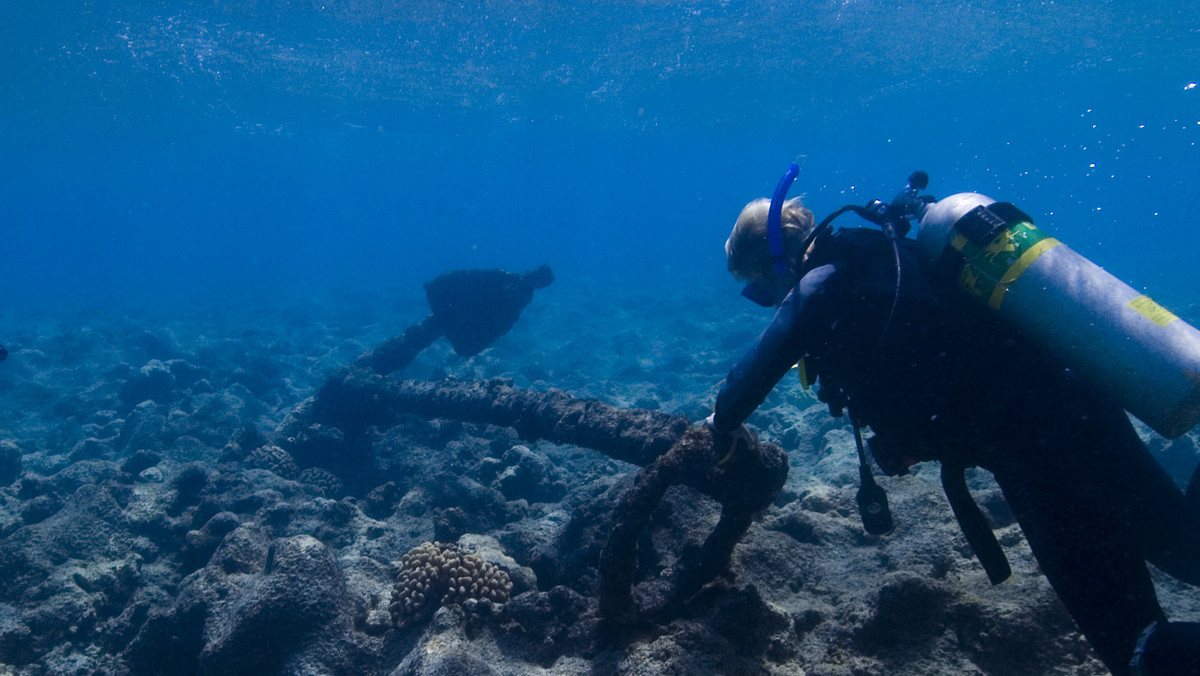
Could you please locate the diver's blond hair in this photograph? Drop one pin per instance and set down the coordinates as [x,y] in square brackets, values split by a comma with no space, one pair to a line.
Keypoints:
[747,251]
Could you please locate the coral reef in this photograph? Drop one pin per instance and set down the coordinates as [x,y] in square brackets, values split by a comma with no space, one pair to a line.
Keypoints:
[273,459]
[434,574]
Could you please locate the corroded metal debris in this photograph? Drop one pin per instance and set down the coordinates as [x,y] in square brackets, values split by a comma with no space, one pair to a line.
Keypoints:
[670,450]
[470,308]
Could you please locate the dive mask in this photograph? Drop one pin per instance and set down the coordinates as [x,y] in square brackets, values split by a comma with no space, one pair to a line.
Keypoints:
[768,291]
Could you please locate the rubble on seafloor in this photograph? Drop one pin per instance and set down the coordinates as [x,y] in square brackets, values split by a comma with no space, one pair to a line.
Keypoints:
[162,512]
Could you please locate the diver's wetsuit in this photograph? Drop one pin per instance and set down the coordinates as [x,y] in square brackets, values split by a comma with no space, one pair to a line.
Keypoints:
[948,382]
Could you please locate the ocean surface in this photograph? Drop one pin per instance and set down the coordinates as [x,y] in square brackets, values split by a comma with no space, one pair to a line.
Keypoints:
[164,152]
[208,207]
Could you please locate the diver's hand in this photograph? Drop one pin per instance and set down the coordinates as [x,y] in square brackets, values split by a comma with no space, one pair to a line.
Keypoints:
[728,444]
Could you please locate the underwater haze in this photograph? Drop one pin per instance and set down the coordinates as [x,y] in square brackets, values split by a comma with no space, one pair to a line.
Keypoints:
[210,207]
[162,153]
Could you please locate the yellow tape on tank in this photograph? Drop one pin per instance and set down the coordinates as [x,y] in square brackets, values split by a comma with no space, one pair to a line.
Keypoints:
[1017,269]
[1146,307]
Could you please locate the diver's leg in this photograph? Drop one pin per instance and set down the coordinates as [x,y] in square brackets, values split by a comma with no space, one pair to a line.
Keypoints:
[1164,523]
[1094,567]
[1095,506]
[1101,458]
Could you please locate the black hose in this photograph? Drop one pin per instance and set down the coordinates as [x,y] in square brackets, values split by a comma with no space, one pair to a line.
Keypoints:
[891,235]
[888,230]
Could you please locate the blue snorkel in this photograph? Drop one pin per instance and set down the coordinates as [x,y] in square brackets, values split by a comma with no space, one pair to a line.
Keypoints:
[765,291]
[775,220]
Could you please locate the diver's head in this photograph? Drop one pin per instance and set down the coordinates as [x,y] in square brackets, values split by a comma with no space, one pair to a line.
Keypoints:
[748,251]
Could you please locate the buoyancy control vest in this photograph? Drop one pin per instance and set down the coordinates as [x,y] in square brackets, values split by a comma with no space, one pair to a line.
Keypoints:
[927,383]
[924,377]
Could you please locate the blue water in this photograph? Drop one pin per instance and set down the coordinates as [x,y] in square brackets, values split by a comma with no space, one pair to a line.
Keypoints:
[164,153]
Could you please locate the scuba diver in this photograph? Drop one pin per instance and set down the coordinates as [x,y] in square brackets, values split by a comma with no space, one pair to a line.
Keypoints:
[942,374]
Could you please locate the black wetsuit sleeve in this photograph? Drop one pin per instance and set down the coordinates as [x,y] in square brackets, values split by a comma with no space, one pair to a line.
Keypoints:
[779,347]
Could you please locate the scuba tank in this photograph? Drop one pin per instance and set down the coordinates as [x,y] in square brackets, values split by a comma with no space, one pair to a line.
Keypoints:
[1113,337]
